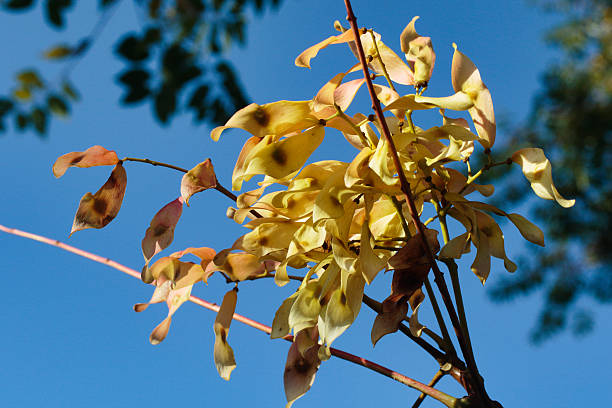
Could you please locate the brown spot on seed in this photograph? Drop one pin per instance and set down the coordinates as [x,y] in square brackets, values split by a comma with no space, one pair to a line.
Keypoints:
[261,116]
[279,156]
[100,206]
[77,159]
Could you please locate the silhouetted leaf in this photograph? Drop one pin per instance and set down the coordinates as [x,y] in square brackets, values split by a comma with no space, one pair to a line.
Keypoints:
[57,105]
[39,119]
[152,35]
[5,106]
[231,85]
[197,102]
[133,49]
[21,121]
[165,104]
[18,4]
[135,81]
[69,91]
[106,3]
[55,10]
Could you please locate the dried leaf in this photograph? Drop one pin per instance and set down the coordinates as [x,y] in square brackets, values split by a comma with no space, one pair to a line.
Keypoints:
[238,266]
[160,294]
[326,96]
[278,159]
[280,324]
[277,118]
[537,169]
[419,53]
[160,233]
[413,322]
[205,254]
[413,252]
[370,262]
[223,353]
[94,156]
[303,60]
[175,299]
[466,78]
[200,178]
[394,310]
[343,307]
[471,94]
[528,230]
[396,68]
[160,332]
[300,370]
[97,210]
[305,310]
[456,247]
[408,102]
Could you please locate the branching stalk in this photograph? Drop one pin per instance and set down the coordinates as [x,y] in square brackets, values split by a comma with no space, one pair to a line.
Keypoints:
[449,347]
[474,377]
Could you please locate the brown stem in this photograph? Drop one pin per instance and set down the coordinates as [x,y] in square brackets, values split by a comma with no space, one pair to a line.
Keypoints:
[446,399]
[155,163]
[218,187]
[456,365]
[437,377]
[475,379]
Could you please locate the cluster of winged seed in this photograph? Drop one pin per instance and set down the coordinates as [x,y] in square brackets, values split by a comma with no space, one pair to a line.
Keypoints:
[340,222]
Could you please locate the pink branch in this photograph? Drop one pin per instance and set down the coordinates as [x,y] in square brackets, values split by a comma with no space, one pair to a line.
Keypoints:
[432,392]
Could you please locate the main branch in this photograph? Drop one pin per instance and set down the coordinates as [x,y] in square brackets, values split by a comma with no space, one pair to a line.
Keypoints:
[475,380]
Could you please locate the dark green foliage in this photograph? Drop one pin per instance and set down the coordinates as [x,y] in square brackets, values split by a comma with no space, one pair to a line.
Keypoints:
[136,83]
[571,120]
[57,105]
[163,61]
[55,10]
[18,5]
[106,3]
[5,107]
[39,118]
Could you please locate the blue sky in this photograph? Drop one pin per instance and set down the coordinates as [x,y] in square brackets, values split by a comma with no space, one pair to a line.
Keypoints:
[70,335]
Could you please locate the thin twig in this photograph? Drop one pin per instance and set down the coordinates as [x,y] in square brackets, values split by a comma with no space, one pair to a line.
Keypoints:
[382,64]
[155,163]
[446,399]
[437,377]
[449,347]
[217,187]
[87,42]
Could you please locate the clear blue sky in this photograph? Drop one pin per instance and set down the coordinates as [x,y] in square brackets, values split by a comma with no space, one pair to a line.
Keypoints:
[70,337]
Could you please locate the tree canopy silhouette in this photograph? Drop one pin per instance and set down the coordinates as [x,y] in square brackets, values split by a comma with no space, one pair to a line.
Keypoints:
[570,118]
[175,61]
